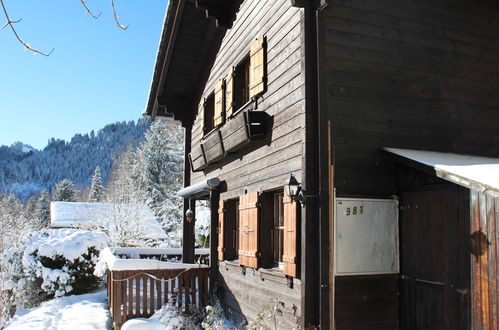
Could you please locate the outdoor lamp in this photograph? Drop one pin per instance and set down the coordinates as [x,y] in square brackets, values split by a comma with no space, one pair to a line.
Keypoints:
[189,215]
[293,190]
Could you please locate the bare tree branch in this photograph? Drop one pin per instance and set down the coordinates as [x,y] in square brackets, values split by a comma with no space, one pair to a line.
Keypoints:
[116,17]
[84,3]
[25,44]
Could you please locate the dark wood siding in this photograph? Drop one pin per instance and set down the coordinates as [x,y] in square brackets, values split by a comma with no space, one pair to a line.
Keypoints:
[409,74]
[484,261]
[435,257]
[265,164]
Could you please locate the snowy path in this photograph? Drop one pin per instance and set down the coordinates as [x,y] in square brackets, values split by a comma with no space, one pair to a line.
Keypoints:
[77,312]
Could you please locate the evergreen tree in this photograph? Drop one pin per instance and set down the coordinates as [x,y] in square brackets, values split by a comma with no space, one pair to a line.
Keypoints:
[42,209]
[64,191]
[96,188]
[157,172]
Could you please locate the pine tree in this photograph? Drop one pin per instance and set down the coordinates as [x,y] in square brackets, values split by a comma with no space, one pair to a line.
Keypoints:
[64,191]
[96,188]
[157,172]
[42,209]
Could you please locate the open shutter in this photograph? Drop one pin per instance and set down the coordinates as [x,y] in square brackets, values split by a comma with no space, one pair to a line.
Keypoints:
[202,105]
[229,93]
[221,234]
[248,230]
[290,229]
[257,67]
[219,93]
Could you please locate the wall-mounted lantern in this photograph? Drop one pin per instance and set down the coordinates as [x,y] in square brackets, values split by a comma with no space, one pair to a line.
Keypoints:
[293,190]
[189,215]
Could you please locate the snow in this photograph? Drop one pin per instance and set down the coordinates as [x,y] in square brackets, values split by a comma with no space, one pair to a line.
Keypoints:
[78,214]
[155,251]
[86,311]
[465,170]
[203,220]
[107,260]
[70,244]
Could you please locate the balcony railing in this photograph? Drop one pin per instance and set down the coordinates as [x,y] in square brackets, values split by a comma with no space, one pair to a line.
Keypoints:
[140,287]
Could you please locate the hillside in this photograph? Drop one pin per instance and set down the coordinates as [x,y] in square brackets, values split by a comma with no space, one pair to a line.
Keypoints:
[25,170]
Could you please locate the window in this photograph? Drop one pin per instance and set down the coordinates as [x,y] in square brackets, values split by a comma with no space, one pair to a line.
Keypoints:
[260,231]
[247,79]
[241,83]
[208,114]
[278,229]
[272,235]
[232,229]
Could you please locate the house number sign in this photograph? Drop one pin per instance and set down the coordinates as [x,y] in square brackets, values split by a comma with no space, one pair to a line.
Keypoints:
[354,210]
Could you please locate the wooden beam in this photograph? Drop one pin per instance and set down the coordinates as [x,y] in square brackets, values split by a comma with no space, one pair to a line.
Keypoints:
[214,199]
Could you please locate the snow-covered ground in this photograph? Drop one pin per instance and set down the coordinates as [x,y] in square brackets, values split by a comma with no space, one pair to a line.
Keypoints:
[86,311]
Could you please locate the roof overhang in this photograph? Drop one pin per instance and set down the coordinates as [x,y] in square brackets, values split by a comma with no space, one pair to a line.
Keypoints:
[192,34]
[199,189]
[473,172]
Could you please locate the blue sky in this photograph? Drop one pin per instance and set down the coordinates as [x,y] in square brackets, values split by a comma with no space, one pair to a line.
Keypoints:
[97,74]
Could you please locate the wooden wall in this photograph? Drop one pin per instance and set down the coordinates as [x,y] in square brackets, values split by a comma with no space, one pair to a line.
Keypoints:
[266,164]
[266,167]
[419,74]
[410,74]
[484,261]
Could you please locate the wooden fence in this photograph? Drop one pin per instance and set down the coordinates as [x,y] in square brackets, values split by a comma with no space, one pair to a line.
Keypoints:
[140,293]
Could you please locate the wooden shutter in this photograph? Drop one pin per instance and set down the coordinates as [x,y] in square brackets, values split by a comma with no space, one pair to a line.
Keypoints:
[219,93]
[248,230]
[257,67]
[221,234]
[290,236]
[202,105]
[229,93]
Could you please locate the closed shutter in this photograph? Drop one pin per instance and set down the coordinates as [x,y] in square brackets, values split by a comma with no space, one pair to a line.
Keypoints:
[229,93]
[248,230]
[221,234]
[219,92]
[257,67]
[290,236]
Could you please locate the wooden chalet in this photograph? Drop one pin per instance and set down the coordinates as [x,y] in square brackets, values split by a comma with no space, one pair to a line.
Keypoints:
[357,101]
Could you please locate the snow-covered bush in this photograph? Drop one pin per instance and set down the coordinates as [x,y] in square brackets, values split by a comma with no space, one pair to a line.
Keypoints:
[16,223]
[52,263]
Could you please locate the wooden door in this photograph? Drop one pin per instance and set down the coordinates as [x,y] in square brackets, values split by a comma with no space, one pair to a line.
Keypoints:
[435,273]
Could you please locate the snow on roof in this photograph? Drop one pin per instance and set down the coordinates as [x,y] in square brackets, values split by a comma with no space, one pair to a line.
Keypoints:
[473,172]
[75,214]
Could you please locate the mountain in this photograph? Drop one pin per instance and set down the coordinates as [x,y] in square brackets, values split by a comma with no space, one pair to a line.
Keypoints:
[25,170]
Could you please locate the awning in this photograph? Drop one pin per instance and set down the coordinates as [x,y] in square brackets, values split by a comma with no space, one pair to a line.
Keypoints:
[199,189]
[473,172]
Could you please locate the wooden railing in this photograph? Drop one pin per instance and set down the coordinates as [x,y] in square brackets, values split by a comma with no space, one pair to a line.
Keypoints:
[140,293]
[201,256]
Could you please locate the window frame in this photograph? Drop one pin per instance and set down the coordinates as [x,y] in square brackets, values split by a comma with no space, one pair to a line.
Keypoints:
[209,113]
[231,230]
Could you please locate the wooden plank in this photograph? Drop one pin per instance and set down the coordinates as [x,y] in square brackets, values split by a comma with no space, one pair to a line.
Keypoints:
[152,295]
[219,115]
[221,230]
[492,261]
[167,286]
[145,282]
[194,287]
[213,148]
[290,236]
[138,309]
[130,294]
[159,289]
